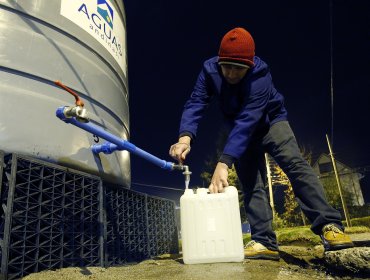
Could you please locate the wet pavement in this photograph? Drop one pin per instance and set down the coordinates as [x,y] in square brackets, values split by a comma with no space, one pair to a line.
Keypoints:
[295,263]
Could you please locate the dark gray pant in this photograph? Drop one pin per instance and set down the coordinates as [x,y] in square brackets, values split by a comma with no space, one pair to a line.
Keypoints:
[281,144]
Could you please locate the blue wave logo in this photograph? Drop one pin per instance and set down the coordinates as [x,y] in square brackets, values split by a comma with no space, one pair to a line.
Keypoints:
[106,11]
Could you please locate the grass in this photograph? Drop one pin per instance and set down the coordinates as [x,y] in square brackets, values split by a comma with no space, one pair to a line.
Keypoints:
[303,235]
[365,221]
[297,235]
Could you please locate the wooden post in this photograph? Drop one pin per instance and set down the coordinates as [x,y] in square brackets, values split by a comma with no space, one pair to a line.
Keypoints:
[270,184]
[346,214]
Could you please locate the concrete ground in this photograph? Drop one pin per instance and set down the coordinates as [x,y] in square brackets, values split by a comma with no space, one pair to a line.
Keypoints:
[297,262]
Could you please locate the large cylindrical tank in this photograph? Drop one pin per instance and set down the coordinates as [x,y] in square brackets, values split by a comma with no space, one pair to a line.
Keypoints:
[82,43]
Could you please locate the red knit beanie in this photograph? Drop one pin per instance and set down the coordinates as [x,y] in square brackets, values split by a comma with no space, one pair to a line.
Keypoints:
[237,47]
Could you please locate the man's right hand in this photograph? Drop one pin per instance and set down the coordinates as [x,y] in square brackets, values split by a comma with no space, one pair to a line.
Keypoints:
[180,150]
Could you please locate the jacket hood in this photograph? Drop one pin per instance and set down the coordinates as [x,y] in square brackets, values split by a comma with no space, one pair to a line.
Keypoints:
[260,67]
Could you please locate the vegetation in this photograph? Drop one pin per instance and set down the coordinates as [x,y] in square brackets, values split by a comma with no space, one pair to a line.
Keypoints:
[304,236]
[332,192]
[292,215]
[365,222]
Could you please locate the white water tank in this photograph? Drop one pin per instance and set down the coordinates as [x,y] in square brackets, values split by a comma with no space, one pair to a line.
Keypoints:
[82,43]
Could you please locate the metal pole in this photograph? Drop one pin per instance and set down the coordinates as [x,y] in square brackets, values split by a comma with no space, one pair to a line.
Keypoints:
[331,72]
[270,184]
[348,220]
[303,217]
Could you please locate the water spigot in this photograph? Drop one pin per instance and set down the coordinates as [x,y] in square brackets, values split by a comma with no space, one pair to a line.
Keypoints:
[78,112]
[186,172]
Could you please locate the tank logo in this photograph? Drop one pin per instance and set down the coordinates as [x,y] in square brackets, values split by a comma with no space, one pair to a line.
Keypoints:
[106,11]
[98,17]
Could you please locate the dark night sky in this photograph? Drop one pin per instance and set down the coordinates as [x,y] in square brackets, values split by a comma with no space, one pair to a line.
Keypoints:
[169,40]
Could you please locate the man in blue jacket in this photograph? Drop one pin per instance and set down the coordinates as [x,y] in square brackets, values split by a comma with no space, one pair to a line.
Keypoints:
[254,112]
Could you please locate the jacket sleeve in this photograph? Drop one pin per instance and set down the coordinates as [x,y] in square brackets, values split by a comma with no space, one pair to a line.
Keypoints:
[195,106]
[249,117]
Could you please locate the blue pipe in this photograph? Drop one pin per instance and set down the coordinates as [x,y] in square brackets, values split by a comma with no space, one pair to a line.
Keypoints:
[106,148]
[116,143]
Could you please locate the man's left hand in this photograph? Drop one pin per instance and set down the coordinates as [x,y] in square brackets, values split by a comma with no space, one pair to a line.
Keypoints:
[219,178]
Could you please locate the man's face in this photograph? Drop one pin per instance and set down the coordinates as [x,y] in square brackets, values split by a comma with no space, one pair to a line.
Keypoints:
[233,74]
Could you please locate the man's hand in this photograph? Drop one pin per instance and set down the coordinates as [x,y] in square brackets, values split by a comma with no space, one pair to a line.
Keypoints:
[219,178]
[180,150]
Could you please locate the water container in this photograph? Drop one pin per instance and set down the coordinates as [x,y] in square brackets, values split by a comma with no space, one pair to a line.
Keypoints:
[82,44]
[210,226]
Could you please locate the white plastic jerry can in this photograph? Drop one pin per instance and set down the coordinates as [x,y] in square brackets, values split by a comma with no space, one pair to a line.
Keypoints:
[210,226]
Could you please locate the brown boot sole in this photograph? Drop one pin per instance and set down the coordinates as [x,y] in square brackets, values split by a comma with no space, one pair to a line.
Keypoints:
[338,247]
[275,257]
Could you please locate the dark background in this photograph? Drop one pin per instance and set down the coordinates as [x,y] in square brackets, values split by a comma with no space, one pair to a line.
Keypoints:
[169,40]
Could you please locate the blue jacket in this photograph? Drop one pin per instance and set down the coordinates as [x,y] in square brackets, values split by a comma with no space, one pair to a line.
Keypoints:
[248,106]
